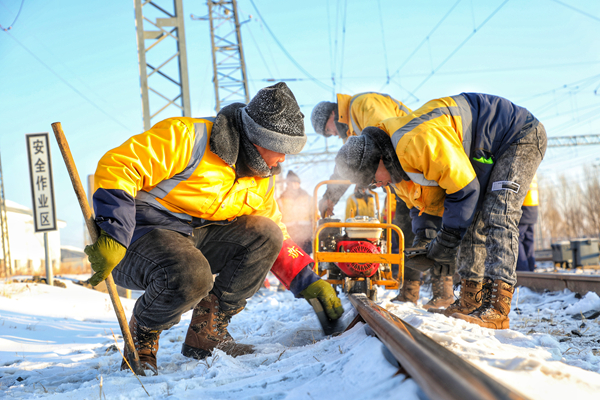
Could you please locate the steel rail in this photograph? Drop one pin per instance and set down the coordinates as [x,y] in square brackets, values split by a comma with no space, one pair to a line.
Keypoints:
[440,373]
[540,281]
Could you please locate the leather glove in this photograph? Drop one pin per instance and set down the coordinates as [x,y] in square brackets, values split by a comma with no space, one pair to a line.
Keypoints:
[104,255]
[444,247]
[326,207]
[323,291]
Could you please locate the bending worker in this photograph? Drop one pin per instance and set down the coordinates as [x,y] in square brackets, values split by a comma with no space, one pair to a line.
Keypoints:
[482,151]
[215,175]
[348,117]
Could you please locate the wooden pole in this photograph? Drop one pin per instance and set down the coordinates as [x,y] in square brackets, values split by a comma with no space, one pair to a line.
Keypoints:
[132,354]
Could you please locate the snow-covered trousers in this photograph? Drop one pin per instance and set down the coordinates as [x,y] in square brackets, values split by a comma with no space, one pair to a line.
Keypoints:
[491,245]
[175,272]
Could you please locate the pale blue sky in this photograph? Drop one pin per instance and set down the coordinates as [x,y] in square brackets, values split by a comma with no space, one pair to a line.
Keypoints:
[76,62]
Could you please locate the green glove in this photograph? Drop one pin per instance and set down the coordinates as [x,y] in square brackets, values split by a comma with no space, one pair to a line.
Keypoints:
[323,291]
[104,255]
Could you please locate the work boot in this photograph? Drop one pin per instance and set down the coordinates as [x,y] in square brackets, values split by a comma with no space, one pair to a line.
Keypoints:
[493,312]
[208,330]
[409,292]
[443,292]
[145,341]
[468,300]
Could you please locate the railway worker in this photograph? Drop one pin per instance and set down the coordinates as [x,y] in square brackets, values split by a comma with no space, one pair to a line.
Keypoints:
[296,210]
[526,259]
[214,175]
[480,151]
[363,202]
[348,117]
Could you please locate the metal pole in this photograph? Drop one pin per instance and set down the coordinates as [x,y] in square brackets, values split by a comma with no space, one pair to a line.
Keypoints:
[49,276]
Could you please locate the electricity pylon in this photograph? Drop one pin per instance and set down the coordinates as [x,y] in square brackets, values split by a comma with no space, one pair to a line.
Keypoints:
[163,73]
[229,67]
[4,228]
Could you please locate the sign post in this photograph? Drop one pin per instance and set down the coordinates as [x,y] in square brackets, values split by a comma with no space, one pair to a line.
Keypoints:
[42,191]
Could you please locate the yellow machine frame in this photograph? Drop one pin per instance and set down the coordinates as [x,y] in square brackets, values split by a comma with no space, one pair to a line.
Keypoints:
[387,258]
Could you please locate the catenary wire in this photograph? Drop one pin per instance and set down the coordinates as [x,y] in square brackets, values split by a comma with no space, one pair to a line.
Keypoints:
[460,46]
[67,83]
[15,20]
[288,55]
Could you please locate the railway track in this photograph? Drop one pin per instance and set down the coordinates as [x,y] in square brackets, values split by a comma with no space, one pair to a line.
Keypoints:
[578,283]
[440,373]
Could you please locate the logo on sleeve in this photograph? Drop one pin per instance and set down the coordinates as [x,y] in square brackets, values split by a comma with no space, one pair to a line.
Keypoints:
[294,252]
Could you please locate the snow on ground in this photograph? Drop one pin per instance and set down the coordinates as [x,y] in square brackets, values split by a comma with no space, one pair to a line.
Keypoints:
[58,343]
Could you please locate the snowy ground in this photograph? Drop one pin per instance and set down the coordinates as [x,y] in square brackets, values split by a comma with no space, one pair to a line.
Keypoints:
[57,342]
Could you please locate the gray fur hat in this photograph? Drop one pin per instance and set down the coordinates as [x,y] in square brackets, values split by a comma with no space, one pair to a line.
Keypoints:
[320,114]
[358,159]
[273,120]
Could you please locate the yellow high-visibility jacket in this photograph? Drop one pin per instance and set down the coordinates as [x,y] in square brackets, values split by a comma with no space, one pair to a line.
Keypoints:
[362,206]
[167,177]
[367,109]
[533,197]
[530,204]
[448,148]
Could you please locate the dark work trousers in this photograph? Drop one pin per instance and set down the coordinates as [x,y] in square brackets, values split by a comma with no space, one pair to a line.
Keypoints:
[491,245]
[526,259]
[403,221]
[175,274]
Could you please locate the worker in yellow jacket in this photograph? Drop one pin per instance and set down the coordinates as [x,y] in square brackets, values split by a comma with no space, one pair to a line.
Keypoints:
[362,202]
[215,176]
[351,114]
[473,153]
[526,259]
[346,118]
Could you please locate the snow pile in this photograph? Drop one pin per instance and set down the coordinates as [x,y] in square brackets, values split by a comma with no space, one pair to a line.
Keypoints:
[58,343]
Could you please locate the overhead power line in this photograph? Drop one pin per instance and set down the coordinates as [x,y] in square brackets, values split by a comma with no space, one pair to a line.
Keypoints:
[15,20]
[68,84]
[288,55]
[578,10]
[459,46]
[411,55]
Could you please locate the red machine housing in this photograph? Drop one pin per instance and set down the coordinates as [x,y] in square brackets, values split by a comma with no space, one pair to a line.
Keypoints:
[356,270]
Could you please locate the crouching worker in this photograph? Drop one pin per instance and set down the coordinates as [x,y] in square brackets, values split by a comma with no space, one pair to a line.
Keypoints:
[483,152]
[216,175]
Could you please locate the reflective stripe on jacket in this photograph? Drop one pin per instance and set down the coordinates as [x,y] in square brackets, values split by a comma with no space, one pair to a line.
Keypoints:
[449,142]
[368,109]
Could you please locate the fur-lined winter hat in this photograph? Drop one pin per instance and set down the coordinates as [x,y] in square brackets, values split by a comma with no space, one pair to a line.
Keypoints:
[273,120]
[358,159]
[320,114]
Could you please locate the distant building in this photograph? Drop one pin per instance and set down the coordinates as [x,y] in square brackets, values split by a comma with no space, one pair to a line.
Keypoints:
[27,247]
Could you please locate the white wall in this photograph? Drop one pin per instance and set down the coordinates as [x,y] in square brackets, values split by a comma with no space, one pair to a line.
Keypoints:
[27,245]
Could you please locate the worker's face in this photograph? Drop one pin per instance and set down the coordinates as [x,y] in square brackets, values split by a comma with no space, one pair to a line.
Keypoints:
[382,176]
[272,158]
[330,128]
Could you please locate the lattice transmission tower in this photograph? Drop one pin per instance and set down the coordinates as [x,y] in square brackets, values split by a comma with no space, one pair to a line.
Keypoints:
[4,228]
[162,59]
[229,66]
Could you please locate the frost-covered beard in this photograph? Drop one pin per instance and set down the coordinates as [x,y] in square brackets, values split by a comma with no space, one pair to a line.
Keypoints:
[342,129]
[250,162]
